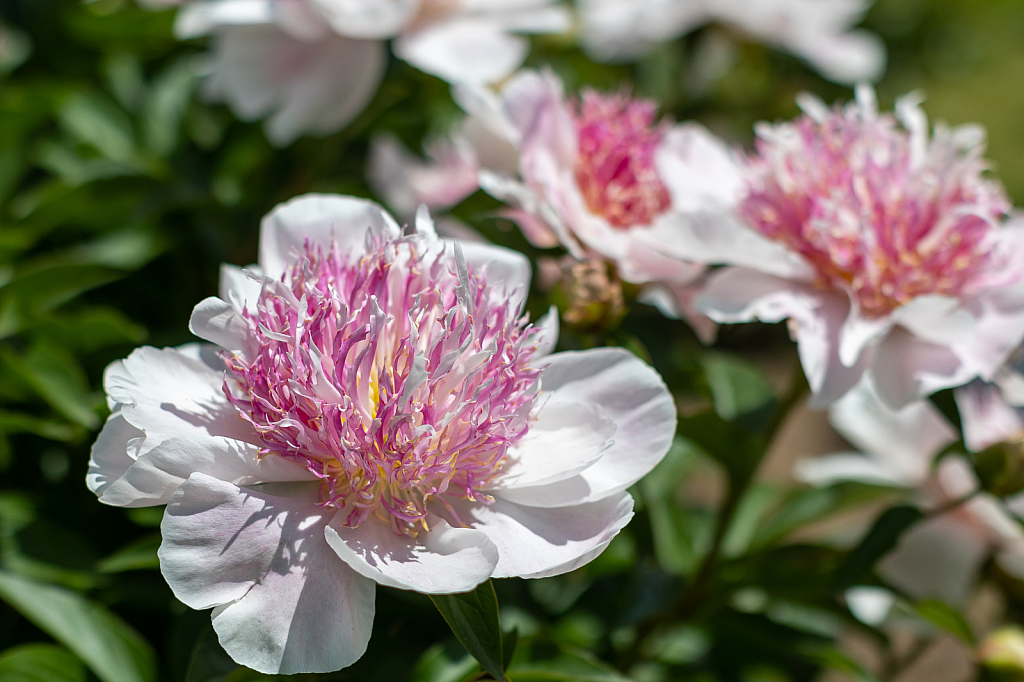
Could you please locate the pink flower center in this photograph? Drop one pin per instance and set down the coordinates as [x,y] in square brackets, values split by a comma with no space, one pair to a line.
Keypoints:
[881,212]
[615,161]
[387,378]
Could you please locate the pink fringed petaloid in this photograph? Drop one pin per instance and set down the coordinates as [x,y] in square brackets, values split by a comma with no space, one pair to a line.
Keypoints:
[392,378]
[615,168]
[882,212]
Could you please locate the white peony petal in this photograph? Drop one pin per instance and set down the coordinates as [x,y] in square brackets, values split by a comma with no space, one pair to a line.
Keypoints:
[220,322]
[200,18]
[633,397]
[533,542]
[986,417]
[869,604]
[285,603]
[219,540]
[168,393]
[815,318]
[113,453]
[467,49]
[507,271]
[263,70]
[905,440]
[852,57]
[907,367]
[564,439]
[319,218]
[938,319]
[848,466]
[155,475]
[442,560]
[368,18]
[238,288]
[547,336]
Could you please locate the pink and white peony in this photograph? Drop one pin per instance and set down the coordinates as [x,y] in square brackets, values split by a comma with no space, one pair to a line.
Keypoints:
[372,409]
[912,271]
[603,177]
[818,31]
[313,65]
[939,557]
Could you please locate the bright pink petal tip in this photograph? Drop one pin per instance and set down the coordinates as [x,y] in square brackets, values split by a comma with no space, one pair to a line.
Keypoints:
[388,378]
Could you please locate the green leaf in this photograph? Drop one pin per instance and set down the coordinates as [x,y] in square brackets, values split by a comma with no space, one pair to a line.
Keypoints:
[27,297]
[138,555]
[882,537]
[108,645]
[473,617]
[442,663]
[40,663]
[209,662]
[947,618]
[563,665]
[738,387]
[167,103]
[832,659]
[57,377]
[93,119]
[509,641]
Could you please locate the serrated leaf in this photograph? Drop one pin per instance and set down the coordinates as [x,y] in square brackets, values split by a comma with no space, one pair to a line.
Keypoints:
[108,645]
[473,617]
[40,663]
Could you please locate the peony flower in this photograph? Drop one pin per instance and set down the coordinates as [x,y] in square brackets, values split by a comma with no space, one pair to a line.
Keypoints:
[372,409]
[912,275]
[602,176]
[313,65]
[993,412]
[941,556]
[818,31]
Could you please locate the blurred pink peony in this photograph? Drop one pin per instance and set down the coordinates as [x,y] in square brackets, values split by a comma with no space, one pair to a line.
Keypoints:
[314,65]
[602,176]
[818,31]
[939,557]
[375,410]
[911,274]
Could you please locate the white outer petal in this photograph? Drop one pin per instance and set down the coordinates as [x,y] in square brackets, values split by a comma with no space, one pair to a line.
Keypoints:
[986,417]
[155,475]
[533,542]
[633,397]
[905,440]
[284,602]
[174,392]
[319,218]
[564,439]
[442,560]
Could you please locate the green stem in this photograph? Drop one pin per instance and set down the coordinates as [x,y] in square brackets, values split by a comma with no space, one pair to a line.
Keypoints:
[692,598]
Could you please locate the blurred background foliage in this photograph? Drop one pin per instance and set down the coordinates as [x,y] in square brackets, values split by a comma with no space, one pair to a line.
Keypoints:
[121,192]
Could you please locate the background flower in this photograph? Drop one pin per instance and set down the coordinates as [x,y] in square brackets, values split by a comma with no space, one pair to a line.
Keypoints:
[818,31]
[314,65]
[912,274]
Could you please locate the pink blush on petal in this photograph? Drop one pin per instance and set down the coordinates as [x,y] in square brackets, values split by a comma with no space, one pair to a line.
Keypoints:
[615,170]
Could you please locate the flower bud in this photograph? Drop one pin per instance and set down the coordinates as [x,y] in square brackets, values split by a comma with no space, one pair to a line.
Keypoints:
[1000,467]
[1002,653]
[590,296]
